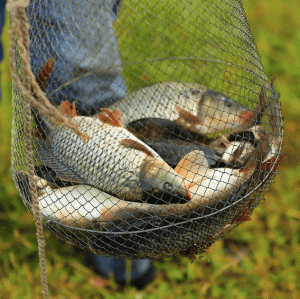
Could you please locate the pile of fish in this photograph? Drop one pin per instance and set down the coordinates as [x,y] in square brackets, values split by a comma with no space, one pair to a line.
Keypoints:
[163,150]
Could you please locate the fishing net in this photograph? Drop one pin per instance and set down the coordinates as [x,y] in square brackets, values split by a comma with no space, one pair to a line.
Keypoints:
[167,129]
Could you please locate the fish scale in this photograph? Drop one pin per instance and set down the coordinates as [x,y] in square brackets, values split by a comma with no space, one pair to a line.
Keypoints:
[92,161]
[192,105]
[105,163]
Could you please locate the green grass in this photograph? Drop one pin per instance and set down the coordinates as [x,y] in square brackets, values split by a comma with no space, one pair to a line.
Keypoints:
[267,259]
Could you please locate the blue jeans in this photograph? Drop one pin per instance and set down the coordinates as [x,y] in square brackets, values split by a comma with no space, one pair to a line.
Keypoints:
[80,35]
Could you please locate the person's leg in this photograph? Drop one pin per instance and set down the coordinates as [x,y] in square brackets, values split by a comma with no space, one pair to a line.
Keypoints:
[80,36]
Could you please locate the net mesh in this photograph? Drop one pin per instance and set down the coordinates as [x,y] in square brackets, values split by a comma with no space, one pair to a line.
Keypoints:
[189,137]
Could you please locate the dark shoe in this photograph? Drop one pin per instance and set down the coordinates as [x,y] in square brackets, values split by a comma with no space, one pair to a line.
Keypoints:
[145,279]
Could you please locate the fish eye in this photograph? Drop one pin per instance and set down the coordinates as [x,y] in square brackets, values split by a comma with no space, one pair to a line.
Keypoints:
[167,187]
[228,103]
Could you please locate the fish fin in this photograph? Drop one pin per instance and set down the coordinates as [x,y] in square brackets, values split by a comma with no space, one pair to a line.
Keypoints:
[103,118]
[188,116]
[193,163]
[262,105]
[117,113]
[242,219]
[62,171]
[267,165]
[129,143]
[44,74]
[113,118]
[68,109]
[245,216]
[42,80]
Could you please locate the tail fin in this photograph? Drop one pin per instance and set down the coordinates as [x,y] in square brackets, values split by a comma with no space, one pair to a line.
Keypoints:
[44,74]
[42,125]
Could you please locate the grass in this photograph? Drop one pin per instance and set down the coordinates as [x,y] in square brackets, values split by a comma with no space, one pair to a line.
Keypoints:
[266,263]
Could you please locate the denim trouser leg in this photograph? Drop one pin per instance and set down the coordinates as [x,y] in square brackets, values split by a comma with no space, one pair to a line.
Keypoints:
[80,36]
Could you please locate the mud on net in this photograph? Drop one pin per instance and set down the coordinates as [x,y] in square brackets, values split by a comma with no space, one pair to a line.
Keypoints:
[183,127]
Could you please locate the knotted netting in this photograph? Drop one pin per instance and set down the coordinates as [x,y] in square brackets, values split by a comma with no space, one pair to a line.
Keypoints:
[167,129]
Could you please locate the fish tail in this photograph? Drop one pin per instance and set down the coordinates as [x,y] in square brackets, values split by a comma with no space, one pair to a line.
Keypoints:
[68,109]
[44,74]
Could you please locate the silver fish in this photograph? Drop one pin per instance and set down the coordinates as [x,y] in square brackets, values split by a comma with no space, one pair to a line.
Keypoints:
[208,186]
[112,160]
[192,105]
[85,206]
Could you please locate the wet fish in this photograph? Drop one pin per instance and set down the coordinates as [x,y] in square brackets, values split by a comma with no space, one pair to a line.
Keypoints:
[208,186]
[194,106]
[79,205]
[88,207]
[235,148]
[113,159]
[85,206]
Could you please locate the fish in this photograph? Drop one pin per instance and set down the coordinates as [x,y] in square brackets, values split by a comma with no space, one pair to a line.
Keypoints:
[192,105]
[171,140]
[240,145]
[112,160]
[87,207]
[78,205]
[207,186]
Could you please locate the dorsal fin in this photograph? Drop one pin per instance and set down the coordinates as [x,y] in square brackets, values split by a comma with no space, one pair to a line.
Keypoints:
[245,216]
[117,113]
[188,116]
[44,74]
[194,162]
[68,109]
[129,143]
[112,118]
